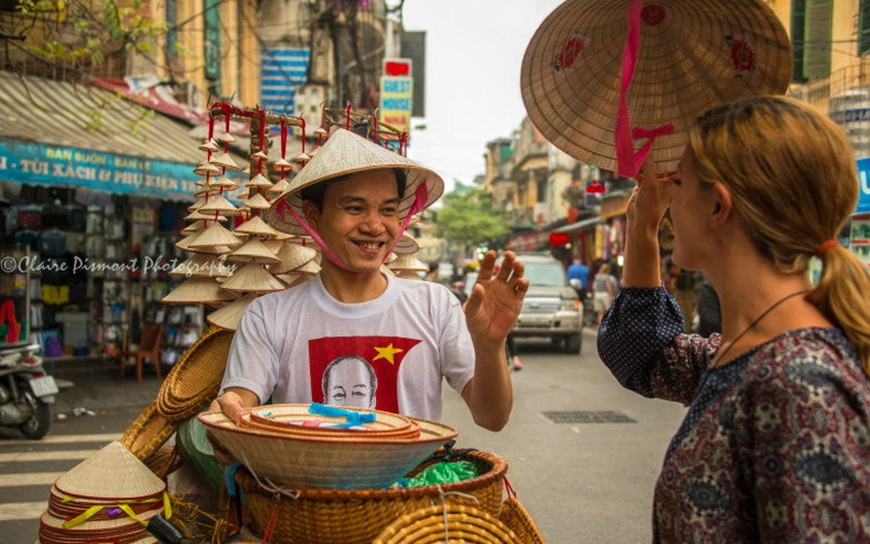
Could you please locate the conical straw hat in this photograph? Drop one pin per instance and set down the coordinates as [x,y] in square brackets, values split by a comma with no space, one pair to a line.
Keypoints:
[252,278]
[199,216]
[198,291]
[258,202]
[282,164]
[229,316]
[224,183]
[258,181]
[226,138]
[223,160]
[111,473]
[311,267]
[691,57]
[256,226]
[291,257]
[407,274]
[347,153]
[202,266]
[209,145]
[206,168]
[279,186]
[196,226]
[254,250]
[407,244]
[219,204]
[215,235]
[409,262]
[292,279]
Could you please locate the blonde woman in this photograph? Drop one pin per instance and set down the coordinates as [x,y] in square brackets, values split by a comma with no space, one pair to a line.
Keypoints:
[775,446]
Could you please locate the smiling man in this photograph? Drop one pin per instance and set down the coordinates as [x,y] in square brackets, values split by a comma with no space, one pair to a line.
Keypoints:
[355,198]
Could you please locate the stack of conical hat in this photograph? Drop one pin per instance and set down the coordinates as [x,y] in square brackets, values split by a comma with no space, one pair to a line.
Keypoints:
[109,497]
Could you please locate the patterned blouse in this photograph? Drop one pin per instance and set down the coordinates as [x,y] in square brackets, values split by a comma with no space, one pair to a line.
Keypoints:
[775,446]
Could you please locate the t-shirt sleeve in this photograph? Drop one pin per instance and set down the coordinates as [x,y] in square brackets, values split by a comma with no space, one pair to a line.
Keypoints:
[252,361]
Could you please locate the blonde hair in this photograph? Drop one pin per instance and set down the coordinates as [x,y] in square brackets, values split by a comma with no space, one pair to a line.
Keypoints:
[792,176]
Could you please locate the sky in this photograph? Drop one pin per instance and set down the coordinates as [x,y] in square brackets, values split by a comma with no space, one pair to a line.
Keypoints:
[474,50]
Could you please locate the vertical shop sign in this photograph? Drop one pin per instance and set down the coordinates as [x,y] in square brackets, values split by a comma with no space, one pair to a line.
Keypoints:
[863,186]
[212,41]
[397,91]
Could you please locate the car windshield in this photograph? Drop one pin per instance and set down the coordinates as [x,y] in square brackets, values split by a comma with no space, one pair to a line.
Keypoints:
[545,274]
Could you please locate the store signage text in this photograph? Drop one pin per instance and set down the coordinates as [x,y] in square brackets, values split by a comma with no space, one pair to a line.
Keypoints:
[396,96]
[42,164]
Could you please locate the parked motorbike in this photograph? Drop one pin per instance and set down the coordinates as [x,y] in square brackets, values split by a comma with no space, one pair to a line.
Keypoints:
[26,391]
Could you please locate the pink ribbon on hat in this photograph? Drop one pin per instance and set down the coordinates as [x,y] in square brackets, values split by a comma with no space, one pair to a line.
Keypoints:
[421,195]
[628,162]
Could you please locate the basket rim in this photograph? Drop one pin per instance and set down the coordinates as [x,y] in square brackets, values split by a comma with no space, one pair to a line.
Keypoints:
[497,472]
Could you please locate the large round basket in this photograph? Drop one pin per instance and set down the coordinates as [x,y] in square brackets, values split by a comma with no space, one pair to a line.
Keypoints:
[357,516]
[447,523]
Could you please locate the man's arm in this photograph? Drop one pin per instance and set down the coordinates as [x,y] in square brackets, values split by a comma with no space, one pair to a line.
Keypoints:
[491,313]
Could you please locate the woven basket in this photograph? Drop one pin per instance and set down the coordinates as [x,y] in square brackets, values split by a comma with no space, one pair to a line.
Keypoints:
[147,433]
[514,515]
[164,461]
[450,523]
[357,516]
[195,379]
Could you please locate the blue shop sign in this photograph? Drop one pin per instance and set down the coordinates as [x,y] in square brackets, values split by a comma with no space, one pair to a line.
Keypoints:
[43,164]
[863,186]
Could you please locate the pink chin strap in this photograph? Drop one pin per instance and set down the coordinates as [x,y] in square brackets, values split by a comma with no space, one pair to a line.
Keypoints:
[420,198]
[628,162]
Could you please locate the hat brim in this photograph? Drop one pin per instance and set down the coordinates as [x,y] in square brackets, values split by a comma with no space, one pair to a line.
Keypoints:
[692,56]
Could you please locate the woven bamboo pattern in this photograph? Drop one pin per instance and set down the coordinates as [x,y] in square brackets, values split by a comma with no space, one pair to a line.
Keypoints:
[164,461]
[449,523]
[515,516]
[195,379]
[148,432]
[357,516]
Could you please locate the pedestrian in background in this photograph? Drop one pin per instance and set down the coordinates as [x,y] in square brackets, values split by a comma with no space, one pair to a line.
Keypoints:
[604,288]
[578,277]
[775,446]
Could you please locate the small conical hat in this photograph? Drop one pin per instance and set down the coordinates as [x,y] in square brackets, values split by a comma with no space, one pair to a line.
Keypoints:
[229,315]
[258,181]
[196,226]
[409,262]
[279,186]
[311,267]
[256,226]
[224,183]
[209,145]
[223,160]
[291,257]
[293,279]
[407,244]
[199,216]
[282,164]
[258,202]
[345,153]
[198,291]
[219,204]
[259,156]
[408,275]
[128,477]
[226,138]
[215,235]
[252,278]
[202,266]
[206,168]
[255,251]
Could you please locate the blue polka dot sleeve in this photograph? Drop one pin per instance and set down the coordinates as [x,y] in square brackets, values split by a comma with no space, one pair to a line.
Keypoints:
[635,331]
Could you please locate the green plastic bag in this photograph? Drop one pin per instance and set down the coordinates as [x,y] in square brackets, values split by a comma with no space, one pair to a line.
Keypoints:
[444,473]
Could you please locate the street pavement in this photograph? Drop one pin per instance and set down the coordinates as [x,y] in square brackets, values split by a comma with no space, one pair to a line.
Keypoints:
[583,453]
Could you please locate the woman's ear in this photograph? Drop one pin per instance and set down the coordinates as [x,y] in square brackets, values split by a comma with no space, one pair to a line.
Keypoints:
[723,206]
[309,211]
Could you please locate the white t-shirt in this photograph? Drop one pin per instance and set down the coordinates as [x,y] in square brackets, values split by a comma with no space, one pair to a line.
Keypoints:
[411,337]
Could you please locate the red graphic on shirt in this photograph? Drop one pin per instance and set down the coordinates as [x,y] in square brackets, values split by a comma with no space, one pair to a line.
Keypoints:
[357,371]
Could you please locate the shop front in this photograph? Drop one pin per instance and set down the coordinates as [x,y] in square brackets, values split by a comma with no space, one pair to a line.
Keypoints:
[93,190]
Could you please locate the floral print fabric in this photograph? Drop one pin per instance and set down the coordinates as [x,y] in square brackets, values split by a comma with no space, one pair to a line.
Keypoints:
[775,445]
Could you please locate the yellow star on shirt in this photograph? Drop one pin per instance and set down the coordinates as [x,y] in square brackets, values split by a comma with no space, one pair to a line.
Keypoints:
[387,353]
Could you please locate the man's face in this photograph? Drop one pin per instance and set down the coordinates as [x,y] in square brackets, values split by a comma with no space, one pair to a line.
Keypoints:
[350,384]
[360,220]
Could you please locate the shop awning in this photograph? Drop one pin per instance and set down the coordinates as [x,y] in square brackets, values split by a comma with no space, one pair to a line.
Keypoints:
[56,133]
[579,225]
